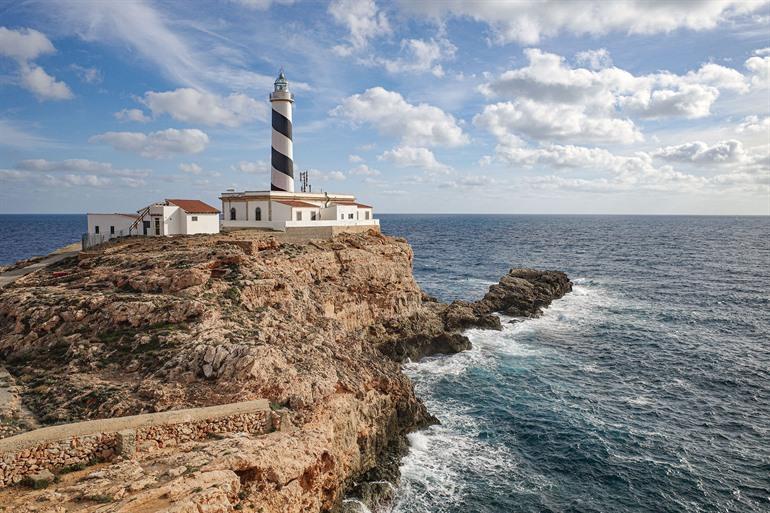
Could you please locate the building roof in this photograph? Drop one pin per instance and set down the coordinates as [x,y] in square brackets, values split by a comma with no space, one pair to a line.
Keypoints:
[193,206]
[297,204]
[359,205]
[132,216]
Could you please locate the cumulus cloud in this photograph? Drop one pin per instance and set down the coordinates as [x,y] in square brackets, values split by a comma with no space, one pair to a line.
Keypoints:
[364,170]
[392,115]
[73,172]
[262,5]
[723,152]
[363,20]
[469,182]
[330,176]
[410,156]
[24,46]
[87,75]
[79,166]
[190,168]
[419,56]
[194,106]
[257,167]
[528,21]
[594,59]
[161,144]
[639,171]
[755,124]
[354,159]
[135,115]
[543,121]
[759,69]
[602,92]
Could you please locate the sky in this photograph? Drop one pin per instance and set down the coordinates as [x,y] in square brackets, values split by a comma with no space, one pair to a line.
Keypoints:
[451,106]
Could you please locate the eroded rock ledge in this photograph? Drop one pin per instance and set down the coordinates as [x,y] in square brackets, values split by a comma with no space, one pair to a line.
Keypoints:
[316,327]
[437,327]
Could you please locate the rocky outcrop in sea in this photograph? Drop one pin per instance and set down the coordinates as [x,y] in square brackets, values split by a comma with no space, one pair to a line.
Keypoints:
[317,327]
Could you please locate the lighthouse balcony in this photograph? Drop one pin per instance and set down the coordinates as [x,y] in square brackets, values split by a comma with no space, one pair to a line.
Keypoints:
[282,95]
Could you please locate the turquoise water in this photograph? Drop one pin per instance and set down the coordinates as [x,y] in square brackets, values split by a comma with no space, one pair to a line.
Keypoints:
[646,389]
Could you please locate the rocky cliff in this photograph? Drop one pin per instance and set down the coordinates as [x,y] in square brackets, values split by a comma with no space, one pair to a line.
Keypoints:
[316,327]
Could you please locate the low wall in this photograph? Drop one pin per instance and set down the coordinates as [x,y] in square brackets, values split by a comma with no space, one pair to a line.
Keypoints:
[81,443]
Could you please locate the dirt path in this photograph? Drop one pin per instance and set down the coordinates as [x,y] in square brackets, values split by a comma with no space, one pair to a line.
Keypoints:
[58,255]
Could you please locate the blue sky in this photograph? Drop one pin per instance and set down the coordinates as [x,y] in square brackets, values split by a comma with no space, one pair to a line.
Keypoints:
[437,106]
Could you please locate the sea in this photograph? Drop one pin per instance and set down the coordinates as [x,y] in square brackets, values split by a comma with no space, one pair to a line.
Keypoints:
[27,235]
[646,389]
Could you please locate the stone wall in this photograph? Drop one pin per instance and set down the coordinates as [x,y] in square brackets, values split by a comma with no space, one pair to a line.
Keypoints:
[82,443]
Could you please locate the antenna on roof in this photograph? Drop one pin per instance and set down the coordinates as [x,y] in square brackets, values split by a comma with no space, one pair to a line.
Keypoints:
[305,182]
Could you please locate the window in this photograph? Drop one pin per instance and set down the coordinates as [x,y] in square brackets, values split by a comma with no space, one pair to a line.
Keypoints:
[112,230]
[342,217]
[299,215]
[96,229]
[258,214]
[313,216]
[194,218]
[350,216]
[157,226]
[232,214]
[366,215]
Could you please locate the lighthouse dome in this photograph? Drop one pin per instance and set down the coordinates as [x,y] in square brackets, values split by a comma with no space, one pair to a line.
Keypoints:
[281,84]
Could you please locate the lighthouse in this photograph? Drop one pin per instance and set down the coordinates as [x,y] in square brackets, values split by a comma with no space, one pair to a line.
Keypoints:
[282,158]
[304,212]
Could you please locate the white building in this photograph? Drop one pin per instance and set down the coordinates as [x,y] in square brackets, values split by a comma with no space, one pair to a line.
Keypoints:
[281,208]
[170,217]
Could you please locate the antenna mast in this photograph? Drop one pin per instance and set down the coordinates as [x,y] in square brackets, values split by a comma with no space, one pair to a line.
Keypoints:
[305,182]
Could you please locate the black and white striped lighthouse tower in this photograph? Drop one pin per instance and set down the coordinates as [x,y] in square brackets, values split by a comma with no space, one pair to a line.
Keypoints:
[282,159]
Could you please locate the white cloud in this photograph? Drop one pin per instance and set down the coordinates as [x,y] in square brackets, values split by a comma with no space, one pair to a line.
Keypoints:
[594,59]
[548,79]
[755,124]
[73,173]
[88,75]
[759,68]
[409,156]
[43,85]
[363,20]
[262,5]
[135,115]
[387,111]
[529,21]
[190,168]
[79,166]
[183,52]
[354,159]
[364,170]
[638,172]
[334,176]
[724,152]
[193,106]
[258,167]
[23,46]
[469,182]
[420,56]
[541,121]
[163,143]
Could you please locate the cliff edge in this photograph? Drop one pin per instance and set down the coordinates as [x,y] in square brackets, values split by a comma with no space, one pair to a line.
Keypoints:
[317,327]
